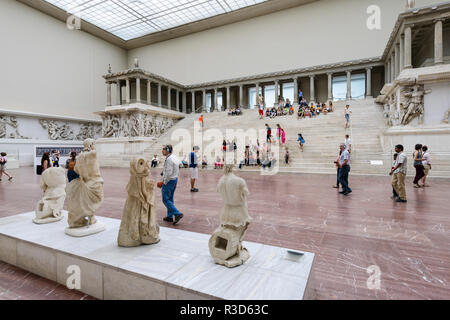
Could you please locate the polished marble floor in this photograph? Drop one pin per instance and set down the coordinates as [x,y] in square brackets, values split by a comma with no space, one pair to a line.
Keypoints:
[408,242]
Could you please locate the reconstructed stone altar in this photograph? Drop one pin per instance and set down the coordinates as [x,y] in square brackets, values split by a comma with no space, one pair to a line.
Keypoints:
[135,122]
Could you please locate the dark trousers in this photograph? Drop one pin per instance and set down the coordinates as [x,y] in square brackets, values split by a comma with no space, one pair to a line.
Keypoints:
[343,178]
[337,177]
[420,173]
[154,164]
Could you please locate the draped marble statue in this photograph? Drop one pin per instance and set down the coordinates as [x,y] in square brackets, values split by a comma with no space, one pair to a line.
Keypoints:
[225,245]
[49,208]
[139,224]
[85,194]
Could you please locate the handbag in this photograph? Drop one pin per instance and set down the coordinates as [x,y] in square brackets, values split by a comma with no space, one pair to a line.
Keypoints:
[38,170]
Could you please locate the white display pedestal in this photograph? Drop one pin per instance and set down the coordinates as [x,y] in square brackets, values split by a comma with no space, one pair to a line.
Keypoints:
[178,267]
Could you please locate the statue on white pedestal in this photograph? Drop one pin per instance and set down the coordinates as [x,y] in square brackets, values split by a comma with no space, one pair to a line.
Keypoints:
[85,194]
[225,244]
[49,208]
[139,224]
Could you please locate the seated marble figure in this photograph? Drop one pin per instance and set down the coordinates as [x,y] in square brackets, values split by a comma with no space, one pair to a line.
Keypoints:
[53,184]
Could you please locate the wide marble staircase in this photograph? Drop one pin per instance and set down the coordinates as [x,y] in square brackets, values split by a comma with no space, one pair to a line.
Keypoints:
[323,134]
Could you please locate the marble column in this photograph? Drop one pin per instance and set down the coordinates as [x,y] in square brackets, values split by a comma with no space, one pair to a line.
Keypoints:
[369,82]
[241,95]
[118,93]
[177,100]
[281,91]
[228,97]
[312,90]
[277,96]
[296,92]
[193,102]
[184,102]
[330,86]
[149,92]
[127,91]
[438,43]
[402,53]
[392,67]
[349,85]
[138,90]
[204,100]
[257,95]
[216,99]
[108,94]
[388,71]
[159,95]
[397,60]
[169,98]
[408,48]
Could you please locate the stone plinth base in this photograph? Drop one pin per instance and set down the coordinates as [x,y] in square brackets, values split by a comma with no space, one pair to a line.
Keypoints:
[178,267]
[48,220]
[86,231]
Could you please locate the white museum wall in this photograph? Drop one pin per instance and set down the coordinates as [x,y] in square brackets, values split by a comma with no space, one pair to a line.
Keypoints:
[46,68]
[309,35]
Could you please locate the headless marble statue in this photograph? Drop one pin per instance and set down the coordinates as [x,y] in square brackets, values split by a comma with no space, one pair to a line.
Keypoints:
[85,194]
[225,244]
[49,208]
[139,224]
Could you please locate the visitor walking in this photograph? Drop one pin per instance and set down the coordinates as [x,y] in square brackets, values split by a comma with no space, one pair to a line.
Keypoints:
[45,162]
[269,134]
[168,184]
[3,162]
[72,157]
[344,165]
[286,155]
[398,173]
[417,156]
[201,120]
[55,158]
[338,170]
[193,167]
[279,134]
[426,164]
[283,137]
[394,163]
[155,161]
[348,143]
[347,116]
[301,141]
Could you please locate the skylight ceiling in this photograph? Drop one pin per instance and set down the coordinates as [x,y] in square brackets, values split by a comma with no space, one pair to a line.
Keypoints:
[130,19]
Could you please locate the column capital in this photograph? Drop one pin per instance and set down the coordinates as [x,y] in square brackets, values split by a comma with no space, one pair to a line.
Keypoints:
[369,68]
[329,73]
[312,76]
[440,19]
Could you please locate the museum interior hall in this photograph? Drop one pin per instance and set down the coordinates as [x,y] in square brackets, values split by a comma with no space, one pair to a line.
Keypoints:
[251,150]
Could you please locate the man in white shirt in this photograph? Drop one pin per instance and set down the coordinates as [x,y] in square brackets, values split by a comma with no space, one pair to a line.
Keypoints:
[344,169]
[398,174]
[168,184]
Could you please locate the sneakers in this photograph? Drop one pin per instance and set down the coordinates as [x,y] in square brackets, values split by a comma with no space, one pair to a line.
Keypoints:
[336,186]
[10,178]
[394,197]
[167,219]
[178,218]
[347,193]
[400,200]
[194,190]
[417,186]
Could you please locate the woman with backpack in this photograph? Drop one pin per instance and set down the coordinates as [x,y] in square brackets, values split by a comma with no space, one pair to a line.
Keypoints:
[3,161]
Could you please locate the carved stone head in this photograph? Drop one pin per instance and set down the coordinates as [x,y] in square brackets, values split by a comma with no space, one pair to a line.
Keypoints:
[89,145]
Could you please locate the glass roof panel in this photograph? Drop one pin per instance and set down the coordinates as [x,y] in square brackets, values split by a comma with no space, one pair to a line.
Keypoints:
[130,19]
